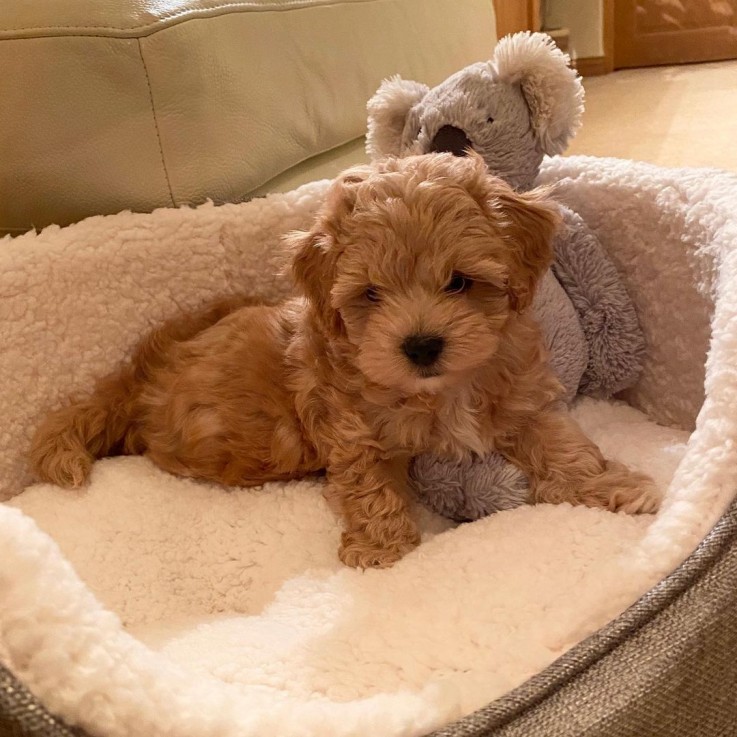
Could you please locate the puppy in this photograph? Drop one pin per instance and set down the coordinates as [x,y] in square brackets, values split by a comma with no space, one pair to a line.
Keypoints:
[412,334]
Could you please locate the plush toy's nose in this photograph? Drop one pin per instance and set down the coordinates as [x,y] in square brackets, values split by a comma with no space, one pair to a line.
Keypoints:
[451,139]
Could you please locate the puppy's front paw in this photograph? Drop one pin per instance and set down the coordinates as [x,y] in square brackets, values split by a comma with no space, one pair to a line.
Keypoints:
[630,492]
[645,498]
[359,551]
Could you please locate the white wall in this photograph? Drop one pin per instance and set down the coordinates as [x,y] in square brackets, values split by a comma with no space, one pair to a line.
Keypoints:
[584,19]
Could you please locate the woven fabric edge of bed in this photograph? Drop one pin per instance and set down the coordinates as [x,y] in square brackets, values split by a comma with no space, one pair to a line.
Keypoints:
[662,668]
[664,665]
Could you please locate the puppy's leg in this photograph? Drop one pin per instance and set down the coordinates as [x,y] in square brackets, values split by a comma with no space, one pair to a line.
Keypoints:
[565,466]
[370,493]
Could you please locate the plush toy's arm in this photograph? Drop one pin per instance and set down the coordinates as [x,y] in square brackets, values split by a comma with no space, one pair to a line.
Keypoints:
[561,330]
[616,344]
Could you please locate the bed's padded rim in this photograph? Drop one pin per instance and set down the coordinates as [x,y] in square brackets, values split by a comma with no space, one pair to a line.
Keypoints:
[665,667]
[662,668]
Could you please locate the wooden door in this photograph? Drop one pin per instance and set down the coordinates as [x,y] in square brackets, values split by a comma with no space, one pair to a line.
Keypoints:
[516,15]
[648,32]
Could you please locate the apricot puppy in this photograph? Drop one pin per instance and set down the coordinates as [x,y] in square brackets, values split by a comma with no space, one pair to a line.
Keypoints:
[411,335]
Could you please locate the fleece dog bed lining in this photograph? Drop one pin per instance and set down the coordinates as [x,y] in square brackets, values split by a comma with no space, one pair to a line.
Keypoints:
[85,667]
[679,687]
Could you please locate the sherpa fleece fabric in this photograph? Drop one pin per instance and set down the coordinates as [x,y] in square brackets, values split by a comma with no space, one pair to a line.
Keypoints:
[146,604]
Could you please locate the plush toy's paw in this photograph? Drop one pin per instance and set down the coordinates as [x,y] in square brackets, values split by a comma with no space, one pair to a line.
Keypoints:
[465,491]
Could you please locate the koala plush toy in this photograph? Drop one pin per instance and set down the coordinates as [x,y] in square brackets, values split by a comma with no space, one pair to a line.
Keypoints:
[523,104]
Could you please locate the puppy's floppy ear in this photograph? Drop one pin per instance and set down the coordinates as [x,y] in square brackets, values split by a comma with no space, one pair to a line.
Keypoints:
[313,270]
[315,252]
[528,222]
[388,111]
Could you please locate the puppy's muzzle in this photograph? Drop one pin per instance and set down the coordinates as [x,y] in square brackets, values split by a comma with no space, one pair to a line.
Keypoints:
[452,140]
[423,350]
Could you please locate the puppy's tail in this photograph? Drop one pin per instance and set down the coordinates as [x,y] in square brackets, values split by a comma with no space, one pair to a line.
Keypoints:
[70,439]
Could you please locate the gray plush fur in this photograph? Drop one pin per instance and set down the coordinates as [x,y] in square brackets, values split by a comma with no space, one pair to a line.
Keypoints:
[493,114]
[561,330]
[524,103]
[616,344]
[465,491]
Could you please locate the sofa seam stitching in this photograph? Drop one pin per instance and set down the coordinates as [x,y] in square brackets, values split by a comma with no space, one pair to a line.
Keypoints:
[156,123]
[167,21]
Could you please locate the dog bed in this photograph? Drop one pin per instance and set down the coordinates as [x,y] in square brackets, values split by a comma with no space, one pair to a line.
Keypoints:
[150,605]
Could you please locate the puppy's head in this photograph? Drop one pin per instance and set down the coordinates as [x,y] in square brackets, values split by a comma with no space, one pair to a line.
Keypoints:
[419,263]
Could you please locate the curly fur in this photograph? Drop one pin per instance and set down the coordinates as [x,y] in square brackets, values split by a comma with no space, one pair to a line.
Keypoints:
[512,110]
[248,394]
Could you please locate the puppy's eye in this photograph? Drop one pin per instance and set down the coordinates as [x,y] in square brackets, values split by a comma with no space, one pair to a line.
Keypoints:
[490,119]
[458,284]
[372,294]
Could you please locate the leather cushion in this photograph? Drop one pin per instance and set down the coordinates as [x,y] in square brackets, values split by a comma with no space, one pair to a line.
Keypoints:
[135,104]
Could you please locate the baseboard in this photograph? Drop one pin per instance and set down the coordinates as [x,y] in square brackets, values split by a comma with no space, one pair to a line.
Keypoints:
[593,66]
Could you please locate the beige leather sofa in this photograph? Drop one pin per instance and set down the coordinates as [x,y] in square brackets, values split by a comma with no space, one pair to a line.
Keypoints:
[108,105]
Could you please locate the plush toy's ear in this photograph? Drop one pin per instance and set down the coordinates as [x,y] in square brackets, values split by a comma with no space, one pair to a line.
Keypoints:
[387,113]
[553,90]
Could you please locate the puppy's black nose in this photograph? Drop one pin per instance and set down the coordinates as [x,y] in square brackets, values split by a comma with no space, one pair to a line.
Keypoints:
[423,350]
[451,139]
